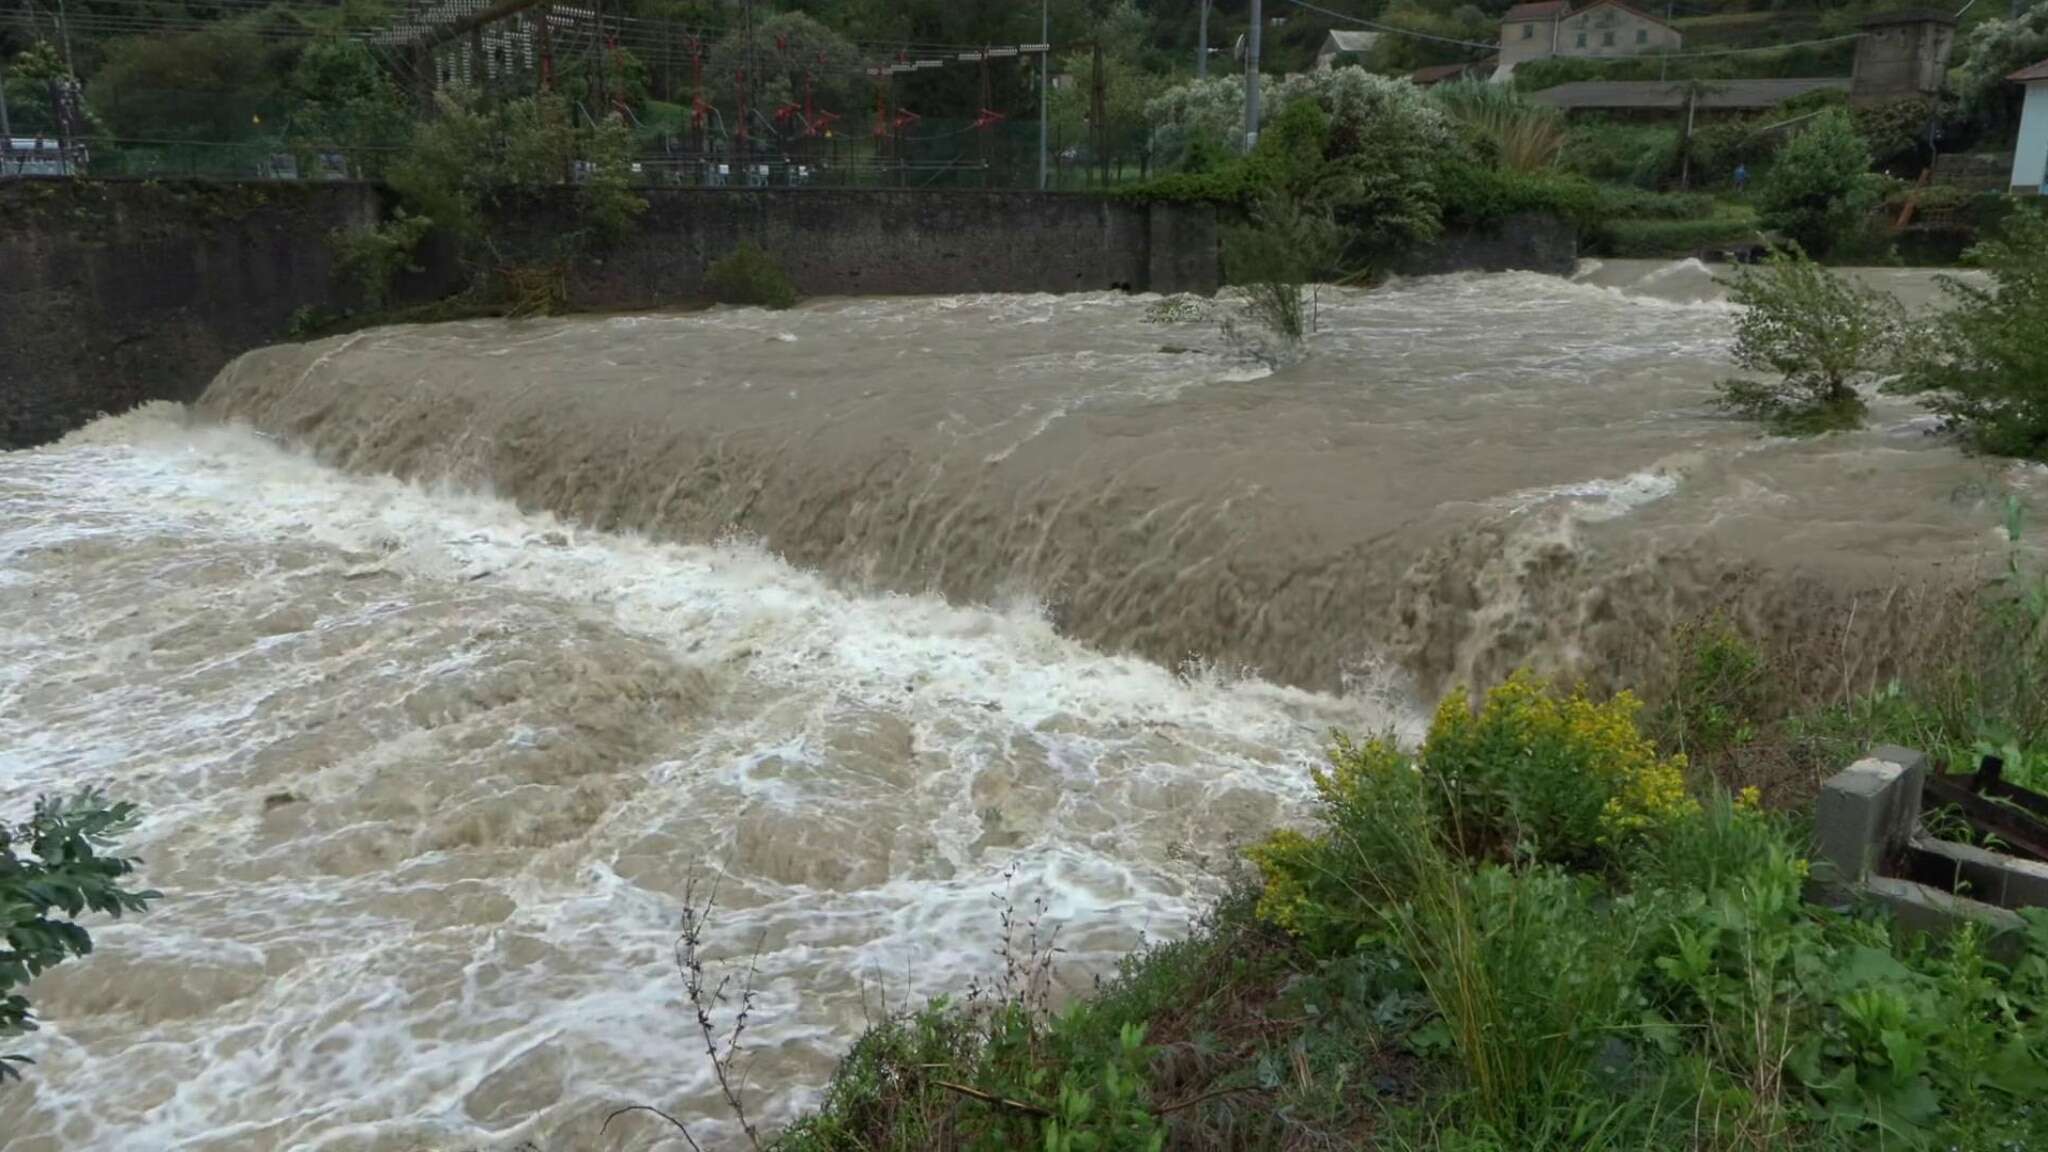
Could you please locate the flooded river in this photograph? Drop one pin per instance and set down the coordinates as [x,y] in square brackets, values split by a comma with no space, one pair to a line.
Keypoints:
[442,659]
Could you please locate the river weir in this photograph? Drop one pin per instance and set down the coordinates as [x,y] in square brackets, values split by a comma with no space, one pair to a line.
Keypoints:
[442,659]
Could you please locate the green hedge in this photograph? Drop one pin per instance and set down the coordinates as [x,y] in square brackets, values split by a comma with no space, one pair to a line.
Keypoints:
[1672,237]
[1619,202]
[1619,151]
[1475,195]
[1822,60]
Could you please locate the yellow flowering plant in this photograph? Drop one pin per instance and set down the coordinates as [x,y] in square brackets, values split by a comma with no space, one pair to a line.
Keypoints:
[1528,776]
[1376,814]
[1564,779]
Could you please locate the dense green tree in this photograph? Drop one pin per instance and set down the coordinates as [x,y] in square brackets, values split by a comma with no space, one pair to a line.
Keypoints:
[1384,150]
[217,85]
[1205,113]
[600,83]
[786,47]
[1127,89]
[1820,190]
[1982,363]
[343,101]
[31,101]
[1396,55]
[458,164]
[1991,52]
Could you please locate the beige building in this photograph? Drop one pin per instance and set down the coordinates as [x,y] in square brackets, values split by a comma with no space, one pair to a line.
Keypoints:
[1599,29]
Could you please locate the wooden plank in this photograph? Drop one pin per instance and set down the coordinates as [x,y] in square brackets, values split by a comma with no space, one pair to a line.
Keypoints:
[2021,832]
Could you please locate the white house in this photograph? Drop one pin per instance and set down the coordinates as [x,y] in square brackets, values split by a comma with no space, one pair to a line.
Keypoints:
[2030,158]
[1602,28]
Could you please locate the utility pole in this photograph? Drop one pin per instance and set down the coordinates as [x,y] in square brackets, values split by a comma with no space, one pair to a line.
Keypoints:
[67,94]
[1251,80]
[597,49]
[1202,45]
[6,129]
[547,49]
[753,70]
[1664,57]
[1044,66]
[1097,114]
[64,35]
[1692,104]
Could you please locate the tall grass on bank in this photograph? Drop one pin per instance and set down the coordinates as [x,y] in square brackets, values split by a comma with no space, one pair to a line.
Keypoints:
[1957,669]
[1519,134]
[1550,926]
[1525,934]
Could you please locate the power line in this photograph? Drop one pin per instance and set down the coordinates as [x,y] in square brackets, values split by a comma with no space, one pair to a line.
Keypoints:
[1490,45]
[647,38]
[1725,52]
[1392,29]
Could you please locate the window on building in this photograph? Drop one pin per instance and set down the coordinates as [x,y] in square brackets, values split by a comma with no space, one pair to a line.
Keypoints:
[1528,31]
[1607,39]
[1642,35]
[1582,39]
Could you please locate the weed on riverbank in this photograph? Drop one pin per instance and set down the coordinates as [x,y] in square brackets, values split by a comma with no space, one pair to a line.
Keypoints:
[1459,957]
[1554,925]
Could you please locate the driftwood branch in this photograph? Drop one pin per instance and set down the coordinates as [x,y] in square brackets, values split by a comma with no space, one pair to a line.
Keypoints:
[1190,1102]
[618,1112]
[1027,1107]
[1024,1106]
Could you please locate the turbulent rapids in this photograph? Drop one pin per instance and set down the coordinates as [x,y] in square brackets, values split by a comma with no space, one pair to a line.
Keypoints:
[442,658]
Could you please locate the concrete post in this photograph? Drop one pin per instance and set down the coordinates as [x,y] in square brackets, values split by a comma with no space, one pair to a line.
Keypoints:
[6,129]
[1865,812]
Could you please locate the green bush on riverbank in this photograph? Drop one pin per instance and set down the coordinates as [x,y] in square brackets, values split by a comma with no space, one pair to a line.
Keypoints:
[1724,226]
[1560,923]
[1441,964]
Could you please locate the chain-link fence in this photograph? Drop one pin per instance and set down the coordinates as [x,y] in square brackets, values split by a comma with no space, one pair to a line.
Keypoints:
[929,153]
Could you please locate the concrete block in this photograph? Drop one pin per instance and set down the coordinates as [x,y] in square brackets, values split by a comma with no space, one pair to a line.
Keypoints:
[1910,759]
[1919,909]
[1864,812]
[1992,877]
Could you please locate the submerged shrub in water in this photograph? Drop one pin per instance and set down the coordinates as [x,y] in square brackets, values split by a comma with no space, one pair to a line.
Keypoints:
[749,276]
[1817,333]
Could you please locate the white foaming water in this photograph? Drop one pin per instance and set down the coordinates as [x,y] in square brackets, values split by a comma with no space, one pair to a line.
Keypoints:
[1596,500]
[425,778]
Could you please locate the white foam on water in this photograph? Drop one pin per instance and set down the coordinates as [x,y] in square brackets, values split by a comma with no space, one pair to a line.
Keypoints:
[425,775]
[1599,499]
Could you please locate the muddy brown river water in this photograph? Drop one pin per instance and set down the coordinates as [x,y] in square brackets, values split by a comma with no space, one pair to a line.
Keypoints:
[442,658]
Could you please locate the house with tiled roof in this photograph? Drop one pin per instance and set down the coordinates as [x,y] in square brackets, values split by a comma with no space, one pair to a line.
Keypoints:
[1602,28]
[2030,156]
[1343,46]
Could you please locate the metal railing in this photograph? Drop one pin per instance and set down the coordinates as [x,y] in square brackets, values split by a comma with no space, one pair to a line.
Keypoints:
[941,155]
